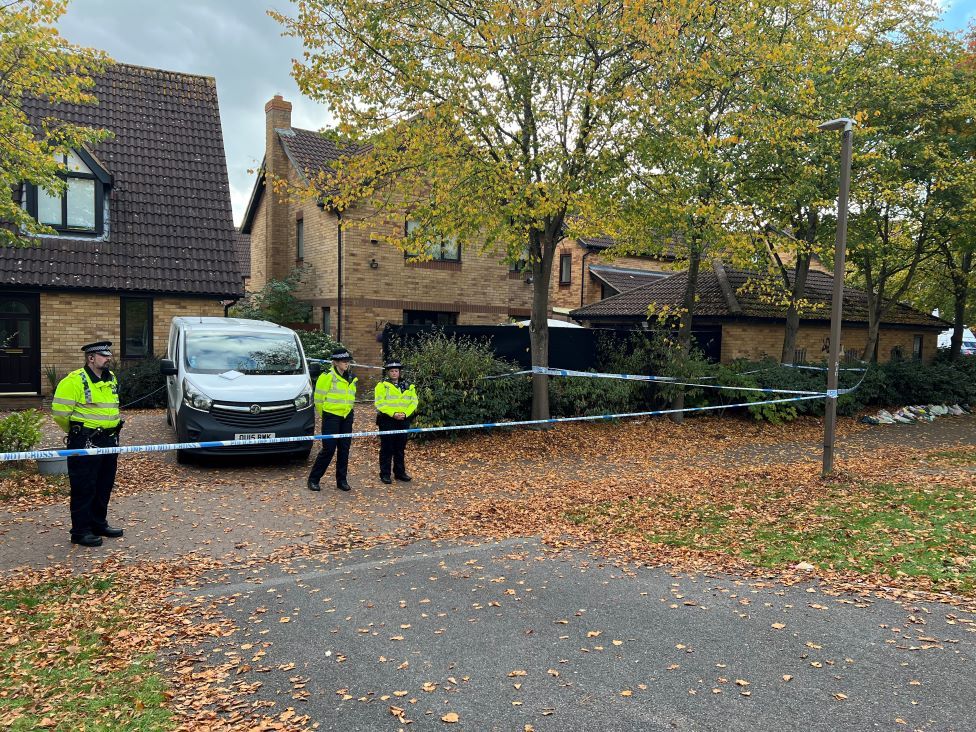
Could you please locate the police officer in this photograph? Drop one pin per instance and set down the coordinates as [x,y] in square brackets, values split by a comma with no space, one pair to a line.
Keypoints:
[86,406]
[335,395]
[396,401]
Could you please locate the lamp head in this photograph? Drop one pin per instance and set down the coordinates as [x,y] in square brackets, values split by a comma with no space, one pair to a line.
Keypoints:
[841,123]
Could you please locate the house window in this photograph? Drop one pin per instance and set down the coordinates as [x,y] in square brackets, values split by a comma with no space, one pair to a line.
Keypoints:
[137,313]
[326,320]
[520,264]
[439,250]
[429,317]
[606,291]
[565,268]
[917,348]
[896,353]
[300,240]
[799,355]
[79,207]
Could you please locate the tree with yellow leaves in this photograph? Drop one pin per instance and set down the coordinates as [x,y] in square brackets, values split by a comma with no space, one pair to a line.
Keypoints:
[492,121]
[35,61]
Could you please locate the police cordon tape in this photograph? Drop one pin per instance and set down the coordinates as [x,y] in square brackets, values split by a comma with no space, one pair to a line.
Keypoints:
[668,381]
[129,449]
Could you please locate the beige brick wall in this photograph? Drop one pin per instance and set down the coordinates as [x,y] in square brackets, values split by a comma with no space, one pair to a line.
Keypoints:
[754,341]
[589,290]
[70,320]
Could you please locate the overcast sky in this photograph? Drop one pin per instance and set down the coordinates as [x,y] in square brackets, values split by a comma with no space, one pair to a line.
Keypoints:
[242,48]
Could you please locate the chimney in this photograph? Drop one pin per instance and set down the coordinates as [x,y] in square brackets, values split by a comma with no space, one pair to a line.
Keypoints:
[277,116]
[278,227]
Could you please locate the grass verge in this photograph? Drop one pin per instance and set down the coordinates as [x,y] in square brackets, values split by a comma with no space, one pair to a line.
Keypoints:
[921,534]
[69,661]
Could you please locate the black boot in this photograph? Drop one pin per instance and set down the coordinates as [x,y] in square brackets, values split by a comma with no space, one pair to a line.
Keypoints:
[313,485]
[386,479]
[110,531]
[88,539]
[403,477]
[343,486]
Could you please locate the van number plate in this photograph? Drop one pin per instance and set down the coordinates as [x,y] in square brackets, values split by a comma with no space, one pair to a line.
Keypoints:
[255,436]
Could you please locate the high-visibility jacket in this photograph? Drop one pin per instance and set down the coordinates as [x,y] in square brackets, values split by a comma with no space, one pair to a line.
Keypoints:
[334,394]
[79,400]
[393,398]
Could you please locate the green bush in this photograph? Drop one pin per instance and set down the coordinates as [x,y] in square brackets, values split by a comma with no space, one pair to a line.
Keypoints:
[317,344]
[276,301]
[449,374]
[137,382]
[574,396]
[20,431]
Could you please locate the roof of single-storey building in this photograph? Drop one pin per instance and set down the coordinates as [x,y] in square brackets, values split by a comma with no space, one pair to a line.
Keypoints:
[623,279]
[722,293]
[169,228]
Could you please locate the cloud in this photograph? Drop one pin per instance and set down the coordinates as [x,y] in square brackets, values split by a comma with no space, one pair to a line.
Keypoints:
[234,42]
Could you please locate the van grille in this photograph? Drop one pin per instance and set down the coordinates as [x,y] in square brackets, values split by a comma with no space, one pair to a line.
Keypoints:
[271,415]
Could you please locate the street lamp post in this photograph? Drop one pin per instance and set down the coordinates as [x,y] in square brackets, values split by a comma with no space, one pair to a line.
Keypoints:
[846,126]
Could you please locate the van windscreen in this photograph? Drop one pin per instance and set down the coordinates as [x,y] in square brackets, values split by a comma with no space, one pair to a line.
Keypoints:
[249,353]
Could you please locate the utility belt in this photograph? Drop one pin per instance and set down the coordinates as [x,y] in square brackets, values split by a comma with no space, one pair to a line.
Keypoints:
[81,437]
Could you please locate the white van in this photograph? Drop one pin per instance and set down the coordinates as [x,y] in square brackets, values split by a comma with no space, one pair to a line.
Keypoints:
[235,379]
[968,341]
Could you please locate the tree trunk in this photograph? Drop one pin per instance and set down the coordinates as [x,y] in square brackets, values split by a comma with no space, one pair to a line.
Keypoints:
[875,313]
[539,323]
[686,324]
[960,293]
[800,271]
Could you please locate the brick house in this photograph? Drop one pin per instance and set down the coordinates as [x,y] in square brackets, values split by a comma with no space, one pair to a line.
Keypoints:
[355,283]
[732,321]
[582,274]
[144,230]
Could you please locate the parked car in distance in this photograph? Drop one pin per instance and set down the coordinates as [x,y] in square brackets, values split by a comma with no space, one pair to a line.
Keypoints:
[236,379]
[968,341]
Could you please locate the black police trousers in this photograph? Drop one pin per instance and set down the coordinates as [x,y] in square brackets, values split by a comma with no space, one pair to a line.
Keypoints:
[392,447]
[92,478]
[333,425]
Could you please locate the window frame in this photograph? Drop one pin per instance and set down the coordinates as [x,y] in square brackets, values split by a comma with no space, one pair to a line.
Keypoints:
[326,320]
[102,180]
[569,275]
[440,246]
[918,346]
[300,240]
[123,349]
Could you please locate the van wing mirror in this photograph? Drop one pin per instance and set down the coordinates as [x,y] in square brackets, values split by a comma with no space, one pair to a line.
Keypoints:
[314,369]
[168,368]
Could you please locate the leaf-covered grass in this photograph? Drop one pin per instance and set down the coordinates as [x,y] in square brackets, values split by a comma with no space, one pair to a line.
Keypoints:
[21,480]
[879,529]
[965,457]
[61,666]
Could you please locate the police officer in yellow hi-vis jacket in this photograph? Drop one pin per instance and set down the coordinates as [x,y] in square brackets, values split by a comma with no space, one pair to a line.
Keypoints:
[335,396]
[396,401]
[86,406]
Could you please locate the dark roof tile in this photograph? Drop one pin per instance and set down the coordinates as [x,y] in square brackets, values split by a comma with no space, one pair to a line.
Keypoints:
[242,246]
[623,279]
[712,302]
[170,226]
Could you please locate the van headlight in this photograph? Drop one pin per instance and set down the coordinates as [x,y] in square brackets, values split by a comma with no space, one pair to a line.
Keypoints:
[194,398]
[304,400]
